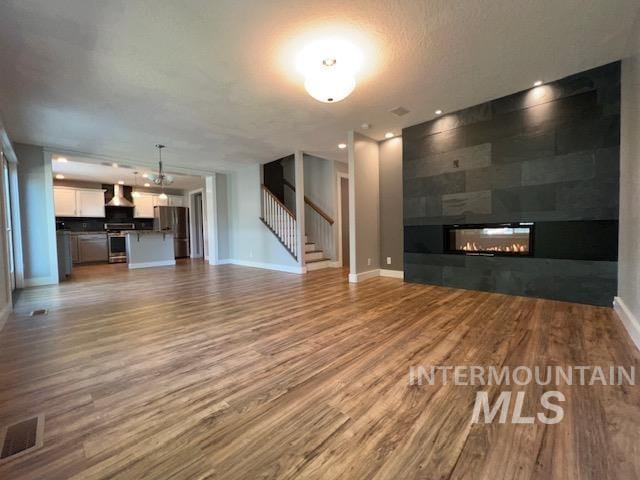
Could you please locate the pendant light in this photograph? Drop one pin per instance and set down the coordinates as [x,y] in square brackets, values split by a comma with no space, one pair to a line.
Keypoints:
[161,178]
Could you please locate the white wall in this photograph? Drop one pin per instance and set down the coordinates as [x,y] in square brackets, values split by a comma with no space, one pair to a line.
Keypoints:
[320,188]
[37,215]
[364,204]
[250,241]
[628,300]
[222,196]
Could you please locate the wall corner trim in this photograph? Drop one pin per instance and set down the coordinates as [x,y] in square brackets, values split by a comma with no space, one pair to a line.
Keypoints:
[160,263]
[362,276]
[4,315]
[628,319]
[392,273]
[40,281]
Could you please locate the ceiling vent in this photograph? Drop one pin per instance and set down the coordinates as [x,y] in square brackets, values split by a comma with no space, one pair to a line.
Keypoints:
[399,111]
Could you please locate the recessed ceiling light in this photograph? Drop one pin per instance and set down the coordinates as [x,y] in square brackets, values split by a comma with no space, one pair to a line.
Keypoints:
[61,160]
[145,175]
[438,112]
[120,182]
[114,165]
[342,146]
[389,135]
[60,176]
[537,83]
[147,185]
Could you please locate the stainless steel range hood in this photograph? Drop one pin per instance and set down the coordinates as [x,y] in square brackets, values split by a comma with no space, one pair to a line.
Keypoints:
[118,199]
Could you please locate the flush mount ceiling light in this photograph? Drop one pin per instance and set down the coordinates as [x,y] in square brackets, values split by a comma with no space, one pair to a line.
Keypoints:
[60,176]
[120,182]
[329,67]
[438,112]
[537,83]
[389,135]
[61,160]
[147,184]
[342,146]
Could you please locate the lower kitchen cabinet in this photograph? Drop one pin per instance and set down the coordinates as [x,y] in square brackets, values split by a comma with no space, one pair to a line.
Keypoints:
[90,248]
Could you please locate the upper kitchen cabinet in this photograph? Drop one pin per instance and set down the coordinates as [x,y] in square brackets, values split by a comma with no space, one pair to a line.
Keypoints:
[65,201]
[90,203]
[78,202]
[144,204]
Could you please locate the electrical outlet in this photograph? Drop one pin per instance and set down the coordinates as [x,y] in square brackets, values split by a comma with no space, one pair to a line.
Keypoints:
[368,261]
[388,260]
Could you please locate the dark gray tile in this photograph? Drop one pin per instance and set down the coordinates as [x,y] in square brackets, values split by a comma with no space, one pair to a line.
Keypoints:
[457,160]
[561,168]
[537,198]
[532,145]
[464,203]
[437,185]
[587,194]
[588,134]
[608,163]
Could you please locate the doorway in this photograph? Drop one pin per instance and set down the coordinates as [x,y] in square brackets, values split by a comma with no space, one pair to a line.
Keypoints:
[197,247]
[6,192]
[343,197]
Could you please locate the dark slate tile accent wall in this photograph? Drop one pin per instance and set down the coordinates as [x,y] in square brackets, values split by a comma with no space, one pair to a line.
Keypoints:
[545,154]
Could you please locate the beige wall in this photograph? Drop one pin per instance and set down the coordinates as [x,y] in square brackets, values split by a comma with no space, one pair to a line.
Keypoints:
[364,203]
[629,246]
[391,226]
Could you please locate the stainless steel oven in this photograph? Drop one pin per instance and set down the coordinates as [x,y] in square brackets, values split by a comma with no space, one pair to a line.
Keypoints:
[117,247]
[117,240]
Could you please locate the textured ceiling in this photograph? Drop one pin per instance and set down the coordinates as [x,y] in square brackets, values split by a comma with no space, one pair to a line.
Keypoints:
[81,169]
[215,81]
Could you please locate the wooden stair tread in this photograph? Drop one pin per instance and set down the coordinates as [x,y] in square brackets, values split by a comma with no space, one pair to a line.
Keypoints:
[317,260]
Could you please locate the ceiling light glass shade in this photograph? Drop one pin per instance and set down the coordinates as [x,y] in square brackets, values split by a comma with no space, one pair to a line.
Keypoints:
[135,194]
[330,84]
[163,196]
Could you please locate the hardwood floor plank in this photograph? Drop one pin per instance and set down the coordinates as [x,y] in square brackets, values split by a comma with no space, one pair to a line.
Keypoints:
[229,372]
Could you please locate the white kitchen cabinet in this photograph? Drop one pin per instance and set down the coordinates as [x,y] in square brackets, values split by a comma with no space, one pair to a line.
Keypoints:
[144,204]
[64,199]
[78,202]
[90,203]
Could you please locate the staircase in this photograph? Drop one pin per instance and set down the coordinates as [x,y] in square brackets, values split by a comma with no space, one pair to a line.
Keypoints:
[283,224]
[314,257]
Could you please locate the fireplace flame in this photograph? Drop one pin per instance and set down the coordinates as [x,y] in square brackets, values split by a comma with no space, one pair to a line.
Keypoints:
[513,248]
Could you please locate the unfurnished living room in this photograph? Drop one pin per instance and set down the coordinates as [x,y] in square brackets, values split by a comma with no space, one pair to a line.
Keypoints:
[355,240]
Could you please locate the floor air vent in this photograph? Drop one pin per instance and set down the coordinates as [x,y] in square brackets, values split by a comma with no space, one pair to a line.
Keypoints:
[22,437]
[40,311]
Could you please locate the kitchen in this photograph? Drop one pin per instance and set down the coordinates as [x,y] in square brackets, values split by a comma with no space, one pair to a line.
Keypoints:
[108,213]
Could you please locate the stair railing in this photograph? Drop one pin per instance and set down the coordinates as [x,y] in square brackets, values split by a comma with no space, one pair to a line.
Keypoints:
[280,220]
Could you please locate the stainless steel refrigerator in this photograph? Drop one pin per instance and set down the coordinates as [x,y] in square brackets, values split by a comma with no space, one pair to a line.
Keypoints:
[176,221]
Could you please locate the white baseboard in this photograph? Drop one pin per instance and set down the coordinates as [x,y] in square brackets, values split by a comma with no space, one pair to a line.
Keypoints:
[362,276]
[335,264]
[225,261]
[392,273]
[40,281]
[159,263]
[266,266]
[628,319]
[4,314]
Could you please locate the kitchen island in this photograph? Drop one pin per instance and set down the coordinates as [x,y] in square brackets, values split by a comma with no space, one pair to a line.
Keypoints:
[147,248]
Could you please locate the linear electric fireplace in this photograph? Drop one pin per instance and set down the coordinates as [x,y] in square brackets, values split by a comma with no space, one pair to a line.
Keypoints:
[490,239]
